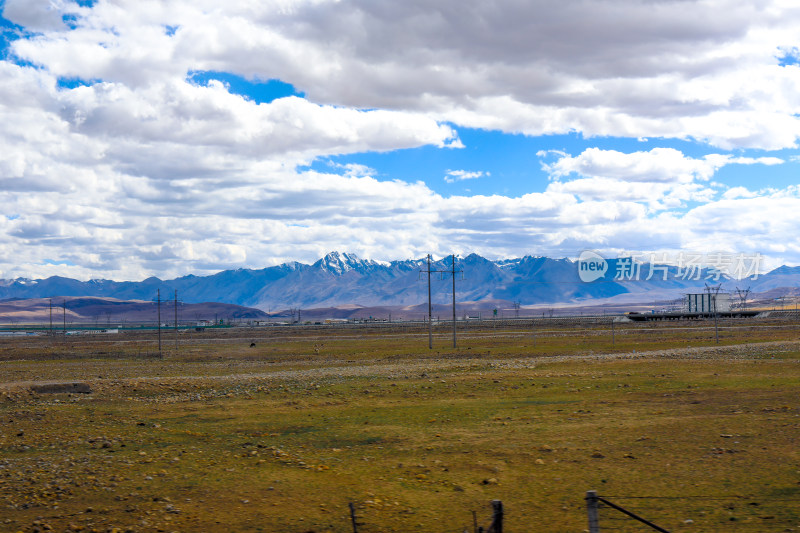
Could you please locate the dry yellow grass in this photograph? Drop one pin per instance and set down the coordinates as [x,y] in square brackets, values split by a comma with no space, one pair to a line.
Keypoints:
[282,436]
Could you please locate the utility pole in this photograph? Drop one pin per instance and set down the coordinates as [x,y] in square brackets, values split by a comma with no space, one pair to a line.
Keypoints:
[430,310]
[176,322]
[452,271]
[64,306]
[454,300]
[51,316]
[158,304]
[612,331]
[714,304]
[430,307]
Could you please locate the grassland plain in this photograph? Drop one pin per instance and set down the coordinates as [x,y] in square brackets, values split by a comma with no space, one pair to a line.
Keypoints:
[258,430]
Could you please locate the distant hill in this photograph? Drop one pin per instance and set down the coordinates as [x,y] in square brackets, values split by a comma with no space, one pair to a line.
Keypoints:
[101,311]
[341,279]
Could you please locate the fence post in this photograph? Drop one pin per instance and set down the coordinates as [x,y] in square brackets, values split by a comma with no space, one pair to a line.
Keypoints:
[497,517]
[591,510]
[353,517]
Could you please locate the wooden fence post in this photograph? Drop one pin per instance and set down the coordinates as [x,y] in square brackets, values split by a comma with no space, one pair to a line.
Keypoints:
[591,510]
[497,517]
[353,517]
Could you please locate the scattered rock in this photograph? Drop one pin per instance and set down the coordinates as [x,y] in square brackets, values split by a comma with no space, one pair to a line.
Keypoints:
[62,388]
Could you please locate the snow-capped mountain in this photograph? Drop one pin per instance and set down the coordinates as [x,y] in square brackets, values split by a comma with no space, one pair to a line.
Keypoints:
[341,278]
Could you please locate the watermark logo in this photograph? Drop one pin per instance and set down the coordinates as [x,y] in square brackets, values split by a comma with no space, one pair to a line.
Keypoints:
[683,266]
[591,266]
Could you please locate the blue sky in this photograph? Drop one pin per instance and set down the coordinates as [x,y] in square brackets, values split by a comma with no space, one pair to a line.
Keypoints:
[191,136]
[509,162]
[512,166]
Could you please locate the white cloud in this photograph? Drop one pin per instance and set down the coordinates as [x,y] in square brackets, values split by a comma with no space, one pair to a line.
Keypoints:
[760,224]
[704,70]
[143,172]
[662,178]
[37,15]
[453,176]
[659,165]
[738,192]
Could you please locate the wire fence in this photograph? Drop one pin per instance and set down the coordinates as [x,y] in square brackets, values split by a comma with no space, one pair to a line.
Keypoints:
[700,512]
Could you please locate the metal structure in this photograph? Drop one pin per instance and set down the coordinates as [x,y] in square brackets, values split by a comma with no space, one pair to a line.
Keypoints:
[709,302]
[742,294]
[453,272]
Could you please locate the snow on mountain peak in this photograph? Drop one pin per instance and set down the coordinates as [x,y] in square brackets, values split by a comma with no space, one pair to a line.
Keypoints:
[339,263]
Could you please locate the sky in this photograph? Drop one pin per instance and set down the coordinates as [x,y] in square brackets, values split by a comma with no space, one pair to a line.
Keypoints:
[170,137]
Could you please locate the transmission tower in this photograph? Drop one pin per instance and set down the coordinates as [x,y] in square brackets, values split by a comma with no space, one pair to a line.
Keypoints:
[742,294]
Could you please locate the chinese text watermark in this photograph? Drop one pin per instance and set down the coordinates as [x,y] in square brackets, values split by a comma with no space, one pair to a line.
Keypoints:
[688,266]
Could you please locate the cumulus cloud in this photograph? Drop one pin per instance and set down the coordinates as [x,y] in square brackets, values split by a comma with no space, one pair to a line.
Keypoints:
[705,70]
[115,164]
[659,165]
[662,178]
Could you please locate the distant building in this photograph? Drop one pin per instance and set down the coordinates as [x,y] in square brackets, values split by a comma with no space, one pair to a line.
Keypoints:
[706,302]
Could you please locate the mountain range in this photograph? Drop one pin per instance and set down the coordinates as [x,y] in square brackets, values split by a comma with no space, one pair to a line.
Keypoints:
[344,279]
